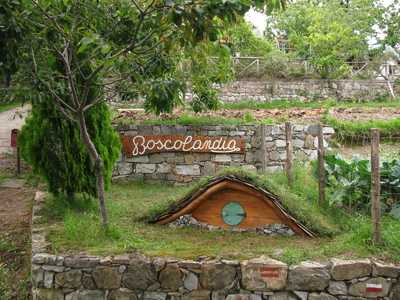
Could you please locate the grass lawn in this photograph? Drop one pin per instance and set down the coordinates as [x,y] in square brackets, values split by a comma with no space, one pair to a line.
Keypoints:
[75,228]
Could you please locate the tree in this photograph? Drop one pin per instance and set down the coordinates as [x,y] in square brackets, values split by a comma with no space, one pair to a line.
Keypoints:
[11,36]
[52,146]
[93,40]
[329,34]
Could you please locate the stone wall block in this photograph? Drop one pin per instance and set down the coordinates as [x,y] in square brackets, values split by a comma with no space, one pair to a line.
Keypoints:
[122,294]
[191,170]
[350,269]
[243,297]
[197,295]
[321,296]
[385,270]
[283,296]
[48,294]
[171,278]
[217,276]
[145,168]
[107,277]
[308,276]
[263,274]
[140,275]
[361,289]
[337,288]
[69,279]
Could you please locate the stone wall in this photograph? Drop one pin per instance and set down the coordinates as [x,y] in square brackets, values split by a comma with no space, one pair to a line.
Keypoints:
[265,150]
[303,90]
[134,277]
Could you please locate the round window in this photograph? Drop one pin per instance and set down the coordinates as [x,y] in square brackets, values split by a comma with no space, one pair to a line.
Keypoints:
[233,213]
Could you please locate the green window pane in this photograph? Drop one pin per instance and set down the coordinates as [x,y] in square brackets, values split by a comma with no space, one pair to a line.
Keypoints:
[233,213]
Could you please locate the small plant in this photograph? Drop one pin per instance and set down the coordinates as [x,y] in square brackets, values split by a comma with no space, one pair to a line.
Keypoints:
[350,181]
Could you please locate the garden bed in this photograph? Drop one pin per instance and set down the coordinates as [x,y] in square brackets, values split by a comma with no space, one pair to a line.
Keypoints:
[75,228]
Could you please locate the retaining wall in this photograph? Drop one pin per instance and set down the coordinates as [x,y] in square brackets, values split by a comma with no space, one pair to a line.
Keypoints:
[265,149]
[302,89]
[134,277]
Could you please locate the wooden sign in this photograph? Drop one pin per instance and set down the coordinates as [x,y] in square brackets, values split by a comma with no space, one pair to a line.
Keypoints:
[145,144]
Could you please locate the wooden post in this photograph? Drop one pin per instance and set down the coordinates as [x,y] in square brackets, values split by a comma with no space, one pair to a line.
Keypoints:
[375,188]
[321,164]
[263,150]
[289,153]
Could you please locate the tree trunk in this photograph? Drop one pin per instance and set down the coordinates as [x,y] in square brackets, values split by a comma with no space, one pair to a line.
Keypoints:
[98,167]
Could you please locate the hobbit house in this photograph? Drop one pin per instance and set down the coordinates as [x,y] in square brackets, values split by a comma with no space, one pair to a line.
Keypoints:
[231,203]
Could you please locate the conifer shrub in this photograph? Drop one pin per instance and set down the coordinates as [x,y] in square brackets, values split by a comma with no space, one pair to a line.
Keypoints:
[52,145]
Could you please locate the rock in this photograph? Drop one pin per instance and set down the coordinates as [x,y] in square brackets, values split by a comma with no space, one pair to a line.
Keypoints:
[385,270]
[361,289]
[70,279]
[337,288]
[122,294]
[197,295]
[171,278]
[124,168]
[263,274]
[243,297]
[308,276]
[91,295]
[37,277]
[280,143]
[48,294]
[282,296]
[140,275]
[107,278]
[322,296]
[88,282]
[313,130]
[189,170]
[164,168]
[191,281]
[328,130]
[145,168]
[309,142]
[138,159]
[48,280]
[395,294]
[222,158]
[350,269]
[154,296]
[301,295]
[217,276]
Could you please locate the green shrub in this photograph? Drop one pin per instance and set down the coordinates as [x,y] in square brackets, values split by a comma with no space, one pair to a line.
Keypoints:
[52,146]
[350,183]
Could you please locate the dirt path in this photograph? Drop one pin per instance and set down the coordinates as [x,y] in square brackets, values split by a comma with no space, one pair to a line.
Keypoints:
[15,216]
[9,120]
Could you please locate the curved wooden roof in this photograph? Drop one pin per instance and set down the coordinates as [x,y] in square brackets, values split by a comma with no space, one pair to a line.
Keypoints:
[188,204]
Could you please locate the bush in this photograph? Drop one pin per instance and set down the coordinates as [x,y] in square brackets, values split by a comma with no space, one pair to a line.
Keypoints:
[52,146]
[350,182]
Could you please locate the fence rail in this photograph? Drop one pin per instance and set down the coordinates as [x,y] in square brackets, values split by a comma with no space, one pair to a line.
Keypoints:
[253,66]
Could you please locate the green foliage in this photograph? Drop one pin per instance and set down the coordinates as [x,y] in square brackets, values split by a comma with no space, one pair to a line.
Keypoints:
[163,95]
[354,132]
[240,38]
[54,149]
[350,183]
[329,34]
[11,36]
